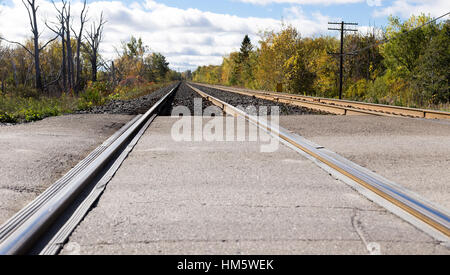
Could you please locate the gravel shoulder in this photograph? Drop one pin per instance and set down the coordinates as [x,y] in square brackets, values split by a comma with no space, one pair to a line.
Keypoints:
[414,153]
[35,155]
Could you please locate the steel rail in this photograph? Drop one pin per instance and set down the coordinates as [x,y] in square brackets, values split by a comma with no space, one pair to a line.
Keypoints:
[317,102]
[25,230]
[436,217]
[34,205]
[337,110]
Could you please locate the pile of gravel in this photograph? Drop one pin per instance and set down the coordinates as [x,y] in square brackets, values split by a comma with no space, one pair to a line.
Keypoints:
[245,101]
[129,107]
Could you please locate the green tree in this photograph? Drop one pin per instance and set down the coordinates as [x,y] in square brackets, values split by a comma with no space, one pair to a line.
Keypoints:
[246,73]
[432,74]
[420,58]
[404,48]
[135,48]
[276,49]
[157,66]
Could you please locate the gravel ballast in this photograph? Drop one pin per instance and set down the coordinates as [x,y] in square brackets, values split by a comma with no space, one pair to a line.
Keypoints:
[185,96]
[130,107]
[246,101]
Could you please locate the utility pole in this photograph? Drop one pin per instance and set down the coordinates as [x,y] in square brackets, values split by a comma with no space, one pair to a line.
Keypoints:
[341,54]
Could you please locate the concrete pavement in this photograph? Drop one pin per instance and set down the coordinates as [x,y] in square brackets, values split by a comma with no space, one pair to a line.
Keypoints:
[34,155]
[229,198]
[414,153]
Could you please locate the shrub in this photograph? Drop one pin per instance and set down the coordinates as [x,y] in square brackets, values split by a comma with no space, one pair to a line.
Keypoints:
[377,91]
[94,95]
[25,92]
[131,81]
[14,108]
[357,91]
[123,92]
[32,115]
[6,117]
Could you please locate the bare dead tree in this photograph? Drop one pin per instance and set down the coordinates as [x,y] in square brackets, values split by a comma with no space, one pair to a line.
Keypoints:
[32,9]
[79,36]
[94,38]
[70,67]
[111,68]
[60,31]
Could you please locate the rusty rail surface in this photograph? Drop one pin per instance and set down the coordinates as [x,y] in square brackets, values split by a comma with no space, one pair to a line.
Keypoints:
[336,106]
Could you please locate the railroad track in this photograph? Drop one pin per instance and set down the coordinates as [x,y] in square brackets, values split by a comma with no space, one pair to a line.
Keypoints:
[430,218]
[336,106]
[45,224]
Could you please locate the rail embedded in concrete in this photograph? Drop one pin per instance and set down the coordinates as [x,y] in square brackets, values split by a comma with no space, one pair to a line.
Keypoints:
[338,107]
[24,229]
[435,217]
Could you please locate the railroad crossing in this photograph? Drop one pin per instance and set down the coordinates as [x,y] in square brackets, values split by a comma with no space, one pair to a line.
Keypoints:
[342,178]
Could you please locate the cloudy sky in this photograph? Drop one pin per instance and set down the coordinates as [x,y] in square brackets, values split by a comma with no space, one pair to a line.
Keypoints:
[199,32]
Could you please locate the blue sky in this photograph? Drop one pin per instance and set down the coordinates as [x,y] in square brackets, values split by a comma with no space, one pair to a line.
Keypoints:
[200,32]
[358,12]
[363,12]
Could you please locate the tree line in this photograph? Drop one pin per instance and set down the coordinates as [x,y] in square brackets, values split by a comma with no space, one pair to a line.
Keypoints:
[71,59]
[411,69]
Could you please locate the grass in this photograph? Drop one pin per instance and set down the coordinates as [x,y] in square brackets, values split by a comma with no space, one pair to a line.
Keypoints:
[16,108]
[127,93]
[442,107]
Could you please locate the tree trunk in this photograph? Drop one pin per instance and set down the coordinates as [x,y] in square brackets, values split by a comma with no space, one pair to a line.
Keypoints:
[113,72]
[37,68]
[64,66]
[69,58]
[94,67]
[16,83]
[78,73]
[37,63]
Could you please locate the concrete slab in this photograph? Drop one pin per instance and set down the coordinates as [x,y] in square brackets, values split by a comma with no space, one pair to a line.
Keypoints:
[229,198]
[414,153]
[35,155]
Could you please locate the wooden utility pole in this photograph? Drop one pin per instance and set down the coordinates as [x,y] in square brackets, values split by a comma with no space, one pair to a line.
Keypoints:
[341,53]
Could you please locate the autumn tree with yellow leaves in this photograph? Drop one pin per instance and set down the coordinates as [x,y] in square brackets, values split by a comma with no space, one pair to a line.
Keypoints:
[406,65]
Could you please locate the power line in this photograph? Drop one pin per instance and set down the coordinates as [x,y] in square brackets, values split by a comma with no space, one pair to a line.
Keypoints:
[341,53]
[392,38]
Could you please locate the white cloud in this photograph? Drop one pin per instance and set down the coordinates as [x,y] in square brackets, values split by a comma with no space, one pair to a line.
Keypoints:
[373,3]
[302,2]
[188,38]
[406,8]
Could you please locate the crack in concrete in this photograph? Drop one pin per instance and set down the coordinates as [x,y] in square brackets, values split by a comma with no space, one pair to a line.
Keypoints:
[373,247]
[296,206]
[242,240]
[22,189]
